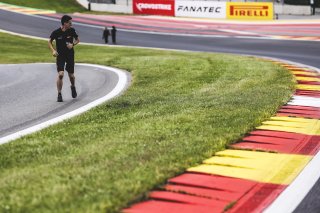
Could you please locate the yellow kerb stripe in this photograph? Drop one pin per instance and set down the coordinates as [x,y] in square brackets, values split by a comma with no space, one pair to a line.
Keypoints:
[304,73]
[258,166]
[307,79]
[308,87]
[290,124]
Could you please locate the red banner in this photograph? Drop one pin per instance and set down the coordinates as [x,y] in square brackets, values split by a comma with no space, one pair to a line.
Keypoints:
[153,7]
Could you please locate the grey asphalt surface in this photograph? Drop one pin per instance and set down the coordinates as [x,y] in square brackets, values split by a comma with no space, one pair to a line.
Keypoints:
[299,51]
[311,203]
[28,93]
[306,52]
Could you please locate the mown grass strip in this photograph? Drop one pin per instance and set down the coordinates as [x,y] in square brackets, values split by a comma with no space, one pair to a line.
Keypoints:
[180,109]
[23,7]
[61,6]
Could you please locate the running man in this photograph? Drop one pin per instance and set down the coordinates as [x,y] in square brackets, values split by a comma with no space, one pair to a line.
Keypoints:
[66,38]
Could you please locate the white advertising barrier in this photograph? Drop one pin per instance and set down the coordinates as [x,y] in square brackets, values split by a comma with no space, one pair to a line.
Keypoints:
[203,9]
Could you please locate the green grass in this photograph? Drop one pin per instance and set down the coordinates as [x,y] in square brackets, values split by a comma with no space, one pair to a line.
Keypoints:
[61,6]
[179,110]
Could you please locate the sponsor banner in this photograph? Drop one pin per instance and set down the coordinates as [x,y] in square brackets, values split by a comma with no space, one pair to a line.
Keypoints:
[250,11]
[203,9]
[153,7]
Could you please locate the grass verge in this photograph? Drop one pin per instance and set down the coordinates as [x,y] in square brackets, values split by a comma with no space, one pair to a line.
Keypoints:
[60,6]
[180,109]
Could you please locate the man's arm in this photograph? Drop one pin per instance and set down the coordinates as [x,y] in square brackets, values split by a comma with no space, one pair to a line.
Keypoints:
[54,52]
[75,38]
[76,41]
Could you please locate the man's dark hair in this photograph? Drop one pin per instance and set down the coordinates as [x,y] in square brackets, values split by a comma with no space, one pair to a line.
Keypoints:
[65,19]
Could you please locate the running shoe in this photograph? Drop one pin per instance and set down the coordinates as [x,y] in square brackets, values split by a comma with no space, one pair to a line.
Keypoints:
[73,92]
[59,99]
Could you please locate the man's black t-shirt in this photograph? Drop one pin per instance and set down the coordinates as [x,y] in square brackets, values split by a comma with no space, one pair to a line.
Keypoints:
[62,38]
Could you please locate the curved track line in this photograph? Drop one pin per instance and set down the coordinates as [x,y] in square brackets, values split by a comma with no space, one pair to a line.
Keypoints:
[119,88]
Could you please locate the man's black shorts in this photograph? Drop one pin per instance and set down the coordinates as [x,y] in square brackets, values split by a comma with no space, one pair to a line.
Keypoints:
[65,60]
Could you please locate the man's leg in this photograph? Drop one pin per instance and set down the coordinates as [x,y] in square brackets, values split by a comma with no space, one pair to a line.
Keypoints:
[70,69]
[60,81]
[72,78]
[73,88]
[59,85]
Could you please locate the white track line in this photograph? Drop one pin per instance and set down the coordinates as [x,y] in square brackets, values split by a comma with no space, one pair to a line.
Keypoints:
[292,196]
[93,44]
[121,85]
[238,32]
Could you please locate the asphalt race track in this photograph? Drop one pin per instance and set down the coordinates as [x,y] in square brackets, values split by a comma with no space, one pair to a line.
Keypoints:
[42,93]
[298,51]
[28,93]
